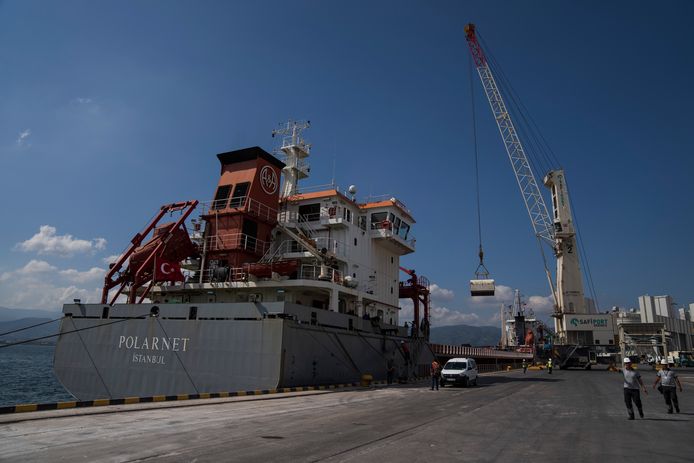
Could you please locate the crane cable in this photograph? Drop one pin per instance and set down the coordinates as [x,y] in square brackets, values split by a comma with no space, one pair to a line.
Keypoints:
[481,269]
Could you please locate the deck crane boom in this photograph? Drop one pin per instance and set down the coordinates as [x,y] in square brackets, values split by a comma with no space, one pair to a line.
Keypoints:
[556,231]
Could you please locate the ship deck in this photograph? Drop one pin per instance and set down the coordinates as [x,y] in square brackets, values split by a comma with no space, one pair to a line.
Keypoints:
[566,416]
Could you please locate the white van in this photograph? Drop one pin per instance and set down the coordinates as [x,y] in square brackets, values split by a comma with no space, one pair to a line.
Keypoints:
[459,371]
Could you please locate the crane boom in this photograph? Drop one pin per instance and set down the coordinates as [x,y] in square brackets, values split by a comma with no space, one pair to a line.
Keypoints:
[534,202]
[556,230]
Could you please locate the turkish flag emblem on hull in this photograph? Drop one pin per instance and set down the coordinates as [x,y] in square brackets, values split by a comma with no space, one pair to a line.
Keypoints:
[165,270]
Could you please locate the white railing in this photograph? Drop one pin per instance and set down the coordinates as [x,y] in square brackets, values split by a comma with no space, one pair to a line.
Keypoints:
[338,248]
[384,229]
[313,272]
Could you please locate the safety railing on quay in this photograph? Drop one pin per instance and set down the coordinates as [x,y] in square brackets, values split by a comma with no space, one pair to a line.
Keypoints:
[477,352]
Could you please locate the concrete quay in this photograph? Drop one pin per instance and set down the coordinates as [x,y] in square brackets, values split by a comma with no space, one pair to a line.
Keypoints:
[536,417]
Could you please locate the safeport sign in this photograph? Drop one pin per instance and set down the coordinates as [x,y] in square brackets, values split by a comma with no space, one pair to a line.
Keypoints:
[588,322]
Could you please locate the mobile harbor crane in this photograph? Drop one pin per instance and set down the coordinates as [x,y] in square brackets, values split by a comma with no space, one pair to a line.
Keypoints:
[557,231]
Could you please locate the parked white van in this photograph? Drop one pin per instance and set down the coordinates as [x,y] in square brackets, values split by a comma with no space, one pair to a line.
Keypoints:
[459,371]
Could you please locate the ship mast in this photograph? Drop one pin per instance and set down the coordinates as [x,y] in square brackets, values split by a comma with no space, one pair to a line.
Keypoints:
[296,150]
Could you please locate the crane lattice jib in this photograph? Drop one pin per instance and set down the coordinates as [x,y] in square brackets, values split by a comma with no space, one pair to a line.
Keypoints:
[534,202]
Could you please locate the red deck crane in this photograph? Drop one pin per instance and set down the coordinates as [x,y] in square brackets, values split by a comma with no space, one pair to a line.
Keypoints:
[417,289]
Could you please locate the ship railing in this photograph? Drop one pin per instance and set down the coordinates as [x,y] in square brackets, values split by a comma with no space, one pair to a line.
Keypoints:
[316,272]
[294,218]
[295,162]
[241,203]
[243,241]
[336,248]
[314,188]
[391,198]
[386,229]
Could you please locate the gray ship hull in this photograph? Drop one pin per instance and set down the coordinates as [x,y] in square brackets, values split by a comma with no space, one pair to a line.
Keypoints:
[143,350]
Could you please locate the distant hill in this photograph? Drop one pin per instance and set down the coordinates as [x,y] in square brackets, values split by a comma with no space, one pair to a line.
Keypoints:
[16,314]
[31,333]
[466,334]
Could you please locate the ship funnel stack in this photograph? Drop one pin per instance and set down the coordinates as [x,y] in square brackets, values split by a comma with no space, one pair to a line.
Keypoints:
[295,150]
[240,219]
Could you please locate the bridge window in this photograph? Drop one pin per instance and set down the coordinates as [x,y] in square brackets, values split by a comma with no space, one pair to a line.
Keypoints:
[310,212]
[404,230]
[240,193]
[377,218]
[362,222]
[220,199]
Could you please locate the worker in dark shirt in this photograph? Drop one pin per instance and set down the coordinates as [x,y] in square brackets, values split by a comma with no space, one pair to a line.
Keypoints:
[435,375]
[405,352]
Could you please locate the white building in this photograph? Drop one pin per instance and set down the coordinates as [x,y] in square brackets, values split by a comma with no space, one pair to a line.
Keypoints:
[662,309]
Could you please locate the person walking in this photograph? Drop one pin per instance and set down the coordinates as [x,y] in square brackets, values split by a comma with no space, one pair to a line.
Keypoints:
[668,379]
[405,352]
[390,370]
[632,381]
[524,365]
[549,365]
[435,374]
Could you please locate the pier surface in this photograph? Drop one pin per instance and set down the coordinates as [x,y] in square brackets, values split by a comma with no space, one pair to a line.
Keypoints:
[565,416]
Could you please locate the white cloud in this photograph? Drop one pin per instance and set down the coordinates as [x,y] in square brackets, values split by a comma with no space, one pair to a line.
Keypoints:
[442,316]
[440,294]
[111,259]
[541,304]
[23,138]
[40,285]
[478,310]
[76,276]
[36,266]
[505,295]
[47,242]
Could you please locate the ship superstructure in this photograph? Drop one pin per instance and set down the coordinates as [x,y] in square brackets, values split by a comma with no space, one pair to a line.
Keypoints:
[268,286]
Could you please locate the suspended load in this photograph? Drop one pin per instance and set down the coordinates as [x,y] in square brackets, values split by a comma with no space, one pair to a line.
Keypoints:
[482,285]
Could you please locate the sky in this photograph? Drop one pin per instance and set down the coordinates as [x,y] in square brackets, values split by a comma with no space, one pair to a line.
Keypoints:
[110,109]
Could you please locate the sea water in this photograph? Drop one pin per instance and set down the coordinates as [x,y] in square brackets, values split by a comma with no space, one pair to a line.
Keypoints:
[26,376]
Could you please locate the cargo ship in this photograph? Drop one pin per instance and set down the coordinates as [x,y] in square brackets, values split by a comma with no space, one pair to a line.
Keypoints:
[267,285]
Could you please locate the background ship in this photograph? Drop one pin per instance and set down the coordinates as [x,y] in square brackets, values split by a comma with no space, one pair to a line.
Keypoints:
[269,286]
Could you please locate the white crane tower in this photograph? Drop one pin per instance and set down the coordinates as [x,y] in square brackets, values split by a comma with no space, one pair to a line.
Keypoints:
[556,230]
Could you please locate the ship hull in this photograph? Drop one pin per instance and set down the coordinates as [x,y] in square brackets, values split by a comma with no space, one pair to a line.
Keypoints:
[143,350]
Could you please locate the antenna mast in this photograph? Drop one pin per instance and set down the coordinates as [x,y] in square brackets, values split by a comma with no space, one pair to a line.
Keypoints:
[295,150]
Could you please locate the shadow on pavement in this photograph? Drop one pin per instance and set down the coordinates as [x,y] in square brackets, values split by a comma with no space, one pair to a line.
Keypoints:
[664,419]
[490,380]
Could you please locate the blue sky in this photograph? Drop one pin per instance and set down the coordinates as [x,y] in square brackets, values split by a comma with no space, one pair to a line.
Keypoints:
[110,109]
